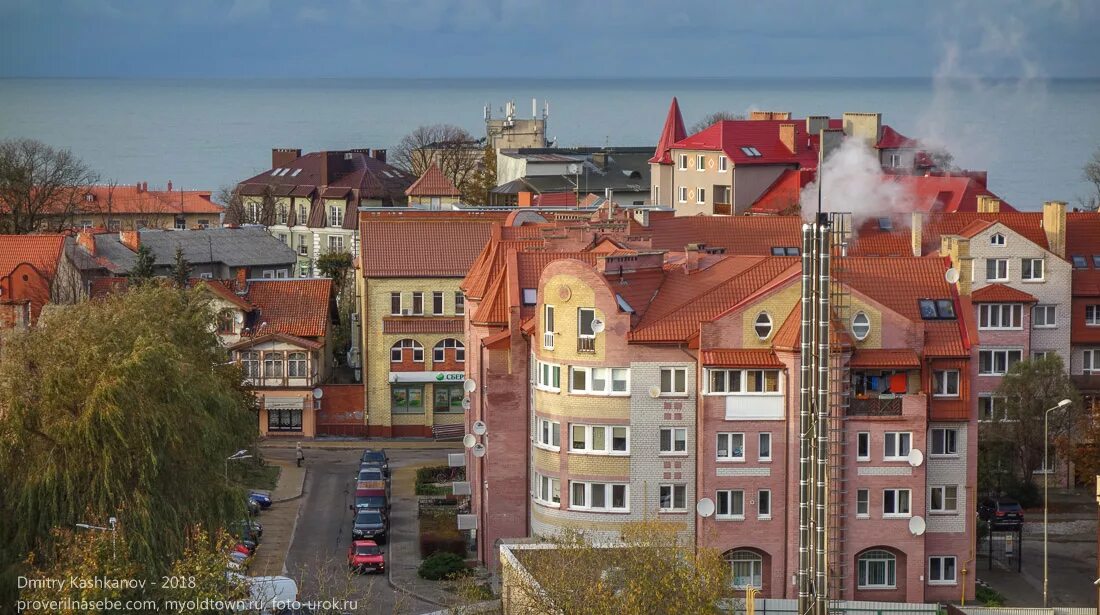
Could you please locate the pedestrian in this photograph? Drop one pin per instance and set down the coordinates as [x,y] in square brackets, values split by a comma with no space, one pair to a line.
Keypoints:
[299,454]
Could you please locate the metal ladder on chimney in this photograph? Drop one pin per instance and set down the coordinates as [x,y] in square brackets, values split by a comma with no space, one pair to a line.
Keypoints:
[840,391]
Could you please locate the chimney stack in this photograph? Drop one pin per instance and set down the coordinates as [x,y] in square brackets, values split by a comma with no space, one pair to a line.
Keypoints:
[770,115]
[957,249]
[693,253]
[786,135]
[130,239]
[169,185]
[86,240]
[524,199]
[378,154]
[916,231]
[284,157]
[816,123]
[240,281]
[864,126]
[831,138]
[988,204]
[1054,225]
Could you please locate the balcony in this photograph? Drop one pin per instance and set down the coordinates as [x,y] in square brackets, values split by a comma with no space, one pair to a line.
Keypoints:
[1088,383]
[586,344]
[548,340]
[882,405]
[723,209]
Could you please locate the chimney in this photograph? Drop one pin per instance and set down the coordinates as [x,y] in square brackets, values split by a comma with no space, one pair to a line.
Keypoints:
[1054,225]
[770,115]
[169,185]
[284,157]
[816,123]
[916,234]
[957,249]
[786,135]
[524,199]
[693,253]
[86,240]
[130,239]
[600,159]
[988,204]
[139,188]
[864,126]
[378,154]
[240,281]
[830,140]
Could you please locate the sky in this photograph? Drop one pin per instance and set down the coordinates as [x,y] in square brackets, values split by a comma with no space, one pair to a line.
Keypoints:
[548,38]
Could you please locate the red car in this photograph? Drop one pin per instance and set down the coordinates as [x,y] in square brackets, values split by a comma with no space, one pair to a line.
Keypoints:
[365,556]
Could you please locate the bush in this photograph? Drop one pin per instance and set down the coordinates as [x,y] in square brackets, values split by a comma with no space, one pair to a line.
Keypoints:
[442,565]
[1026,493]
[433,541]
[988,596]
[428,479]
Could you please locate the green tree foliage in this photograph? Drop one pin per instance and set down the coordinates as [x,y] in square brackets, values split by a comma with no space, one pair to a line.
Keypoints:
[142,271]
[122,407]
[476,190]
[336,265]
[1091,174]
[181,271]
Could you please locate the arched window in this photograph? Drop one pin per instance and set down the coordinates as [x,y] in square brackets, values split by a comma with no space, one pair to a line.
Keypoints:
[877,570]
[763,325]
[747,568]
[296,365]
[997,239]
[861,326]
[250,363]
[439,353]
[397,350]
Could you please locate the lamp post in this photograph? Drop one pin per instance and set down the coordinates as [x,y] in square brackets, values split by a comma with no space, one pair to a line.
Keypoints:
[241,454]
[112,522]
[1046,489]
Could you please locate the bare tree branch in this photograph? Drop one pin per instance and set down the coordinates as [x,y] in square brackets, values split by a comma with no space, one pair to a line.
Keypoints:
[40,187]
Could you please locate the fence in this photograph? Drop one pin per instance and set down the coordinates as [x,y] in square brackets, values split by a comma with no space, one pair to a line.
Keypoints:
[983,610]
[783,606]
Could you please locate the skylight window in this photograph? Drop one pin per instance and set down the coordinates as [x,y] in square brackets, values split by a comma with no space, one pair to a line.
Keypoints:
[751,152]
[623,305]
[275,173]
[1079,262]
[1096,260]
[530,296]
[885,224]
[784,251]
[296,172]
[937,309]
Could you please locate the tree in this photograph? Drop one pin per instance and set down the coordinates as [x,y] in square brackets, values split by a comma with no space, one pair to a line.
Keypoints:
[653,572]
[338,266]
[40,187]
[710,119]
[123,407]
[484,180]
[181,271]
[1091,173]
[451,148]
[237,211]
[142,271]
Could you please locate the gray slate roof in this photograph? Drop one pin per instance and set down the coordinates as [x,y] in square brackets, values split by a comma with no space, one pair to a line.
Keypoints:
[234,247]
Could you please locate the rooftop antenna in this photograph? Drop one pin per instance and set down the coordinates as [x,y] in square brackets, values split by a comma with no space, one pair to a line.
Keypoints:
[545,109]
[820,168]
[534,108]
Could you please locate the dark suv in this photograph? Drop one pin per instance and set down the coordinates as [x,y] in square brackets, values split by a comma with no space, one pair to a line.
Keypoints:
[377,456]
[1001,513]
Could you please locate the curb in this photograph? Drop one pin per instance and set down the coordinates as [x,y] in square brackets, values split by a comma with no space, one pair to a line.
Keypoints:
[383,444]
[294,528]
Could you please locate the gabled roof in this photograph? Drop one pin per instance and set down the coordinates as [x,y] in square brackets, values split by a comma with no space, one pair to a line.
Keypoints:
[298,307]
[248,342]
[747,235]
[784,193]
[888,138]
[1083,234]
[730,136]
[999,293]
[671,133]
[872,240]
[135,199]
[414,244]
[353,169]
[233,247]
[432,183]
[40,251]
[897,358]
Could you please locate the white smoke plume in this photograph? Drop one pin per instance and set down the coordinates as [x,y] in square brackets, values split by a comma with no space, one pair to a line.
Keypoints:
[854,182]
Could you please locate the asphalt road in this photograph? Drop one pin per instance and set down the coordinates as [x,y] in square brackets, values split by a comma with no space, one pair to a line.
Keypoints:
[1072,572]
[318,553]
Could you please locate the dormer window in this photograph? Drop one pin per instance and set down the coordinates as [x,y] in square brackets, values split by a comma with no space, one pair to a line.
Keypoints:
[936,309]
[763,325]
[1079,262]
[997,239]
[751,152]
[861,326]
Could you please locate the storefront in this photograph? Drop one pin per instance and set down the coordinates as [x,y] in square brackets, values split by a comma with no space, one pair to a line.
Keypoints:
[286,416]
[420,400]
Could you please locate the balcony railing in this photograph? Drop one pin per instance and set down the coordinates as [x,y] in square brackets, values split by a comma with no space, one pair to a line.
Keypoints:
[723,209]
[875,406]
[586,344]
[548,340]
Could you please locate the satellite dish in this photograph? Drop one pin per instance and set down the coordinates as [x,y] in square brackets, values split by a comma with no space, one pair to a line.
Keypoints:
[478,450]
[318,393]
[654,391]
[480,428]
[951,275]
[465,403]
[705,507]
[239,317]
[917,526]
[597,325]
[574,168]
[469,386]
[469,440]
[916,458]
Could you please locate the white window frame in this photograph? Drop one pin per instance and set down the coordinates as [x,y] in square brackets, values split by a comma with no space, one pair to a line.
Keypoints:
[671,489]
[1049,319]
[700,196]
[1090,361]
[863,438]
[943,491]
[677,440]
[683,162]
[759,321]
[729,438]
[731,512]
[610,378]
[997,239]
[673,390]
[898,438]
[400,346]
[1092,315]
[760,439]
[545,375]
[545,488]
[761,496]
[948,440]
[335,216]
[742,381]
[585,336]
[908,500]
[548,325]
[683,194]
[1029,276]
[890,567]
[942,383]
[439,351]
[336,243]
[861,321]
[608,488]
[1001,276]
[700,162]
[460,303]
[608,439]
[723,164]
[992,317]
[863,500]
[547,428]
[993,353]
[942,566]
[996,407]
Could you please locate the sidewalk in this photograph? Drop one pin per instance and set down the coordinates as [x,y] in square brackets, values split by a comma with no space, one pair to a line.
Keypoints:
[404,545]
[279,521]
[382,443]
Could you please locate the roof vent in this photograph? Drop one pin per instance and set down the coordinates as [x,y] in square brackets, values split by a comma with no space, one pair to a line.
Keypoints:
[349,156]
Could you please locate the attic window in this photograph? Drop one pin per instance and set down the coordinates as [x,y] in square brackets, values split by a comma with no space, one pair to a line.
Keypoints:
[751,152]
[937,309]
[623,305]
[1096,260]
[763,325]
[997,239]
[89,197]
[784,251]
[885,224]
[275,173]
[1079,262]
[349,156]
[530,296]
[296,172]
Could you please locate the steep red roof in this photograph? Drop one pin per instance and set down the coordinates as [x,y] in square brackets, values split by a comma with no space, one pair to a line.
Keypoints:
[889,138]
[40,251]
[999,293]
[741,357]
[440,244]
[1083,234]
[873,240]
[292,307]
[900,358]
[784,193]
[672,132]
[730,136]
[432,183]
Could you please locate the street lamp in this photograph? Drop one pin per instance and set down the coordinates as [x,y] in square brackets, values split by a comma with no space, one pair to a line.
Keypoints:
[1046,489]
[241,454]
[112,522]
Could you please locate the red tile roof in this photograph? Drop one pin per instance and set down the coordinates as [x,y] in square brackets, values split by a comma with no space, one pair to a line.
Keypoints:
[248,342]
[1083,234]
[671,133]
[432,183]
[872,240]
[900,358]
[409,244]
[729,136]
[891,139]
[748,235]
[741,357]
[414,324]
[785,192]
[133,199]
[292,307]
[40,251]
[999,293]
[1086,282]
[555,199]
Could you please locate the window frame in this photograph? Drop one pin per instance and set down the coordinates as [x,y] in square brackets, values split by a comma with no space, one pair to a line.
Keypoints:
[856,326]
[439,351]
[673,441]
[673,389]
[743,381]
[948,444]
[608,439]
[863,443]
[400,344]
[987,311]
[863,500]
[544,379]
[297,364]
[941,381]
[547,427]
[700,162]
[547,485]
[994,408]
[408,387]
[897,501]
[996,262]
[683,162]
[729,437]
[943,559]
[997,240]
[460,303]
[723,163]
[993,353]
[1047,309]
[276,422]
[757,323]
[438,304]
[609,490]
[890,568]
[682,193]
[763,495]
[672,488]
[700,195]
[730,499]
[417,307]
[943,490]
[898,437]
[760,438]
[1093,319]
[1090,361]
[1027,270]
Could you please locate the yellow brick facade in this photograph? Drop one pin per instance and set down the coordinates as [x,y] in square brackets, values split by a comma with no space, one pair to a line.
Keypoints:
[567,294]
[610,466]
[778,305]
[569,407]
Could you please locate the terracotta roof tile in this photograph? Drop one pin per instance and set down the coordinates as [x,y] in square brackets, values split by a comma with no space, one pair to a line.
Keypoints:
[40,251]
[423,244]
[493,309]
[729,136]
[751,235]
[432,183]
[131,199]
[784,193]
[884,358]
[999,293]
[741,357]
[1083,234]
[869,238]
[415,324]
[292,307]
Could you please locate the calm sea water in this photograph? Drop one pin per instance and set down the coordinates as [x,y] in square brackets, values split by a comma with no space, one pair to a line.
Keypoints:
[1032,137]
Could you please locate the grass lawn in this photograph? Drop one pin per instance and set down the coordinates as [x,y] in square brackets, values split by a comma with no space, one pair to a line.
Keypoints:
[252,475]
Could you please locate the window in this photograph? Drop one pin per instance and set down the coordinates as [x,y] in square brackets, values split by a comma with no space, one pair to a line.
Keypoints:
[673,498]
[1079,262]
[180,224]
[273,365]
[548,327]
[407,399]
[282,214]
[548,377]
[723,164]
[945,383]
[997,239]
[683,191]
[863,503]
[303,247]
[996,269]
[250,363]
[895,502]
[895,160]
[945,441]
[437,303]
[418,303]
[397,351]
[863,446]
[764,441]
[730,504]
[460,304]
[700,195]
[941,570]
[943,499]
[287,419]
[1091,361]
[735,381]
[1031,269]
[303,215]
[1041,354]
[764,504]
[751,152]
[992,408]
[1044,316]
[530,296]
[395,304]
[226,322]
[731,446]
[600,439]
[861,326]
[1092,315]
[896,445]
[936,309]
[1095,259]
[599,380]
[549,433]
[673,440]
[700,162]
[673,380]
[746,569]
[439,352]
[1000,316]
[296,365]
[763,325]
[303,270]
[447,398]
[335,216]
[585,317]
[683,162]
[547,490]
[335,243]
[877,570]
[599,496]
[997,362]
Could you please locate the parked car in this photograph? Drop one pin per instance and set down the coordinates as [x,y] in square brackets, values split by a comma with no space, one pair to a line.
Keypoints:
[371,498]
[245,546]
[238,560]
[1001,513]
[253,506]
[246,529]
[370,524]
[261,498]
[375,467]
[378,456]
[365,556]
